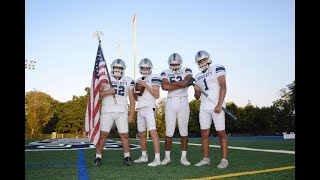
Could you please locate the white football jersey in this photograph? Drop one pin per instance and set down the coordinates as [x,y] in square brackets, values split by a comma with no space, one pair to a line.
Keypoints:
[174,77]
[122,88]
[147,100]
[208,81]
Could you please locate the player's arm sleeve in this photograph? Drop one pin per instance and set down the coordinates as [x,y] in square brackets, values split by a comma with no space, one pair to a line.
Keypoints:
[197,94]
[156,80]
[163,75]
[196,80]
[220,70]
[131,85]
[188,71]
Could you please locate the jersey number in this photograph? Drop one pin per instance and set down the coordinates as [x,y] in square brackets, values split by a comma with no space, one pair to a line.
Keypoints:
[119,90]
[179,78]
[205,84]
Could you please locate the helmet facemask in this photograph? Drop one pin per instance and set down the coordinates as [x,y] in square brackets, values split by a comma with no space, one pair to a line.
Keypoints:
[145,71]
[203,60]
[175,67]
[175,62]
[145,67]
[118,68]
[203,64]
[117,71]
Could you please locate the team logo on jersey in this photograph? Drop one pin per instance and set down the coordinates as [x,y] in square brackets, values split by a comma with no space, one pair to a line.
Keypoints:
[72,144]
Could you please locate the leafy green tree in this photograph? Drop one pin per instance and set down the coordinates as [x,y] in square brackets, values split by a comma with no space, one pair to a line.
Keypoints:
[284,109]
[160,117]
[246,118]
[133,130]
[194,125]
[39,108]
[263,121]
[71,115]
[230,122]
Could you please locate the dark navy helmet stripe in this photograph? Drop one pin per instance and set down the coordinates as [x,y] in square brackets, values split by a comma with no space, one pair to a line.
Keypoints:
[199,54]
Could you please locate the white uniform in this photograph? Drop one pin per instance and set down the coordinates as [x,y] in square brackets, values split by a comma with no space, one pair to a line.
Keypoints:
[177,105]
[147,104]
[118,113]
[208,81]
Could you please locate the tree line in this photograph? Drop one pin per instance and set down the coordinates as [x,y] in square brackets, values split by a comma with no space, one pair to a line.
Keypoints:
[44,115]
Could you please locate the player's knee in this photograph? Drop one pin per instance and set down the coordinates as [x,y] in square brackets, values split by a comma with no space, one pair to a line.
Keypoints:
[169,135]
[103,134]
[221,133]
[142,134]
[124,135]
[205,133]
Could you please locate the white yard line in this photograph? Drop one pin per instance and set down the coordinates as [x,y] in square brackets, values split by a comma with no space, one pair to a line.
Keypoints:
[239,148]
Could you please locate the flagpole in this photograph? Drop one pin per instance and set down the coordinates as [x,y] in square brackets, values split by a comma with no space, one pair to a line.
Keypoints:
[135,49]
[134,46]
[98,34]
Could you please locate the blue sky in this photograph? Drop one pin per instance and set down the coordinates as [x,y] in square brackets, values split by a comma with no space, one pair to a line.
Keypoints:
[253,39]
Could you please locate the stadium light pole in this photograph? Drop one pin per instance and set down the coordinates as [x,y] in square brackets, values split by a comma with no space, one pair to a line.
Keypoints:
[30,64]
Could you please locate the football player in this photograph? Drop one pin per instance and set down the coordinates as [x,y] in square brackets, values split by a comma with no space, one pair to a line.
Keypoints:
[211,79]
[174,81]
[121,87]
[146,117]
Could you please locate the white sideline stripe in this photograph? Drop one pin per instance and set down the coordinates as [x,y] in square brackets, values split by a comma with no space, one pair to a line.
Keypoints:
[239,148]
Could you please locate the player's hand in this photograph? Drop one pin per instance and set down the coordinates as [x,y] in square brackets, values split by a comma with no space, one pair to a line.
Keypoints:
[111,91]
[142,83]
[218,109]
[130,118]
[196,88]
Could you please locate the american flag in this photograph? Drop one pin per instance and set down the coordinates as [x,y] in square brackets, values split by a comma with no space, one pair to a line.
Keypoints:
[92,119]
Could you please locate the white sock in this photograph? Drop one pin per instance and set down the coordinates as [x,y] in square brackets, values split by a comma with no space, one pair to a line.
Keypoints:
[183,154]
[144,153]
[206,159]
[157,156]
[224,160]
[168,154]
[126,154]
[99,156]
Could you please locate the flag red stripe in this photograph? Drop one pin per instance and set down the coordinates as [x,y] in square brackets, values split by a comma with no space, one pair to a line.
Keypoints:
[92,118]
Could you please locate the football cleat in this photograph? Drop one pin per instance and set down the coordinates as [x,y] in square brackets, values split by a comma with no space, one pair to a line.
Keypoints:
[127,161]
[203,162]
[166,161]
[156,162]
[97,162]
[141,159]
[223,164]
[184,161]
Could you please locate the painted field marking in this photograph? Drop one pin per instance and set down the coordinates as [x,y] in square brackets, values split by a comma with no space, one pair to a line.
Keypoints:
[239,148]
[245,173]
